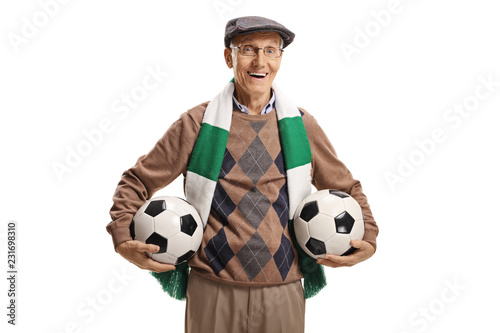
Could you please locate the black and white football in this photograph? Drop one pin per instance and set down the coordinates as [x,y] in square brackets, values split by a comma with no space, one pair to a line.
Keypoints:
[326,222]
[171,223]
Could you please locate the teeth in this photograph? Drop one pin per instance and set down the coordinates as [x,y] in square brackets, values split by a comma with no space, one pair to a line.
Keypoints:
[258,74]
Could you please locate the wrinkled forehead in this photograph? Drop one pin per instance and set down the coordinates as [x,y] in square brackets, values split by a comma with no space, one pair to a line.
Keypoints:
[268,38]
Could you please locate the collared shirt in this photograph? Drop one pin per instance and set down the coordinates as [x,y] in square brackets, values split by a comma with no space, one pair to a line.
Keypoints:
[268,108]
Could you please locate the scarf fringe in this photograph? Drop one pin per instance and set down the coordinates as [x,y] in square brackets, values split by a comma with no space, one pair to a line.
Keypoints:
[174,282]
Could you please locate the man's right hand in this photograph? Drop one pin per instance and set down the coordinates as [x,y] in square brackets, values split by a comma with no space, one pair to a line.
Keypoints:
[135,252]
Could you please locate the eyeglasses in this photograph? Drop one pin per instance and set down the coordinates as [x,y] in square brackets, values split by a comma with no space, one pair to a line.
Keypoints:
[269,51]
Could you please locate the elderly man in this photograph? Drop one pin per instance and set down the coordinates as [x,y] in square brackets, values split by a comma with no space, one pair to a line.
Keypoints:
[249,157]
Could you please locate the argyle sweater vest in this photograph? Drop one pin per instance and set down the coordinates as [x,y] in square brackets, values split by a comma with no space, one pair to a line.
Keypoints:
[247,240]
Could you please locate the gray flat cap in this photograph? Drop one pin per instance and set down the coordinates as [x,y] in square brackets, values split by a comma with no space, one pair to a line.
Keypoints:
[250,24]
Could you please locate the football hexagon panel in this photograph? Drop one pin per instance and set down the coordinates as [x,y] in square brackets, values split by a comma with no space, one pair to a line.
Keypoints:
[167,224]
[196,239]
[141,209]
[352,206]
[179,244]
[140,240]
[155,207]
[179,206]
[331,205]
[158,240]
[338,244]
[296,215]
[344,223]
[322,227]
[316,196]
[358,230]
[144,226]
[301,231]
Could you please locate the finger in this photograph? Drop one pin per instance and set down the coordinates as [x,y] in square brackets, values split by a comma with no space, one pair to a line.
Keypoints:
[357,243]
[329,263]
[336,259]
[325,262]
[343,260]
[158,267]
[151,248]
[365,249]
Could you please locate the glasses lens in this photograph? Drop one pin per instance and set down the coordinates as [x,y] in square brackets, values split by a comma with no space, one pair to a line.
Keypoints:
[247,50]
[272,52]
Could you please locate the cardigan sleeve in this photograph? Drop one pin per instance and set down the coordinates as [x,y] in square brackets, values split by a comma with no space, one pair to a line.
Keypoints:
[328,172]
[159,167]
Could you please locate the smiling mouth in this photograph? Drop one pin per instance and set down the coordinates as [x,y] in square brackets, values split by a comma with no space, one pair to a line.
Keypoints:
[257,75]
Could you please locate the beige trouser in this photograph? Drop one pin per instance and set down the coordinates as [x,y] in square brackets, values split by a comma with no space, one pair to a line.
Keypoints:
[221,308]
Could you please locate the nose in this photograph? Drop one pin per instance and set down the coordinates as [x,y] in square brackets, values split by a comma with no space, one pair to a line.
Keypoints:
[259,58]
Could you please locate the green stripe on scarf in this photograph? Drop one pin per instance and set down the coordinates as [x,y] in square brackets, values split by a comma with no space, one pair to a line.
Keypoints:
[293,134]
[208,150]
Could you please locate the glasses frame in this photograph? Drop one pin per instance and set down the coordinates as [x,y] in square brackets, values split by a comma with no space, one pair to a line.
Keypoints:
[257,49]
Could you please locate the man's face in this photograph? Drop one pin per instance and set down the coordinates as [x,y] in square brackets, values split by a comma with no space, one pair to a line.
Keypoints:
[245,66]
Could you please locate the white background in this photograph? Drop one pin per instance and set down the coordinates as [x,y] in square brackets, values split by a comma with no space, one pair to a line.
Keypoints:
[438,225]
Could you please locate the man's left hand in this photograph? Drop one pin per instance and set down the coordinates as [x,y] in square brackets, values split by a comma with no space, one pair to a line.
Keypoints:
[364,250]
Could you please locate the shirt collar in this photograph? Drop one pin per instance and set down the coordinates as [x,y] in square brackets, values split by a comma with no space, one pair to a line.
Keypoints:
[268,108]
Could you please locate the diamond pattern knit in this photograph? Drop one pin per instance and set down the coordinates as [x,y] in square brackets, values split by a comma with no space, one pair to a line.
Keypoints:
[247,241]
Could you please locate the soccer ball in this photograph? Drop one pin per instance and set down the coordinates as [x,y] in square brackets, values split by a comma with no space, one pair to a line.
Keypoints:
[326,222]
[171,223]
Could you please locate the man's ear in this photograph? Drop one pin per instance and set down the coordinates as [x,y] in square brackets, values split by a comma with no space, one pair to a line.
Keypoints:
[228,56]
